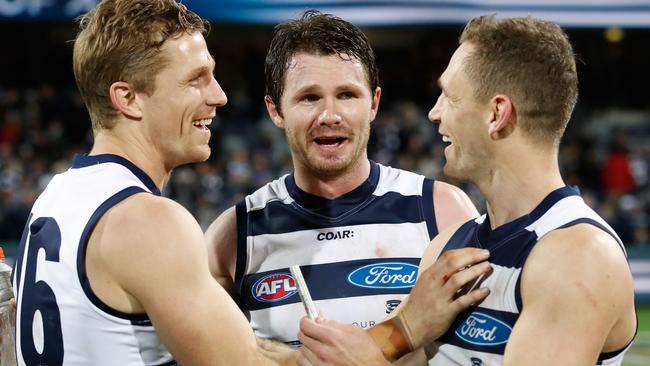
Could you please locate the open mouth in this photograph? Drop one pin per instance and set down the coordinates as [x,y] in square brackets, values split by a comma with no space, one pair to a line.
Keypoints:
[330,141]
[202,124]
[446,140]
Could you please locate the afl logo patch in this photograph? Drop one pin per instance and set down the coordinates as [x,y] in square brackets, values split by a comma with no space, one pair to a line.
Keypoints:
[384,275]
[274,287]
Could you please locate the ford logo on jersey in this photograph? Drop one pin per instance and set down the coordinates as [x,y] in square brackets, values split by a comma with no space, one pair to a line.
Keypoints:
[384,275]
[274,287]
[483,330]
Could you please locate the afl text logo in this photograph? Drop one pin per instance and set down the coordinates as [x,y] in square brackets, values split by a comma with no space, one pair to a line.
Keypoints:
[384,275]
[274,287]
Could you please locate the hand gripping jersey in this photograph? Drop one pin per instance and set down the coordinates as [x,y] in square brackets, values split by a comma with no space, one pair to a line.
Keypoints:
[359,253]
[59,320]
[478,336]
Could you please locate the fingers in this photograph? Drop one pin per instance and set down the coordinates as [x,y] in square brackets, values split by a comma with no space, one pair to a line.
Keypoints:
[316,330]
[306,357]
[453,261]
[470,299]
[463,277]
[458,259]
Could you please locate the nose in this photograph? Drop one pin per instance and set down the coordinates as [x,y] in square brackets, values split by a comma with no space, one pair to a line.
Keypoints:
[434,113]
[329,115]
[216,96]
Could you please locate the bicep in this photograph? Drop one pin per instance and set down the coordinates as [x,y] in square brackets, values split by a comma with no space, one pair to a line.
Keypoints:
[221,239]
[570,300]
[555,333]
[167,272]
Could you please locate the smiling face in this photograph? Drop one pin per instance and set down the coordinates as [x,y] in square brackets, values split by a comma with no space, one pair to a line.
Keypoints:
[183,103]
[327,107]
[463,121]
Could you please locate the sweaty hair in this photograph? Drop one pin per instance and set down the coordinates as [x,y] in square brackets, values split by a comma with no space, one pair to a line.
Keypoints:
[121,40]
[532,62]
[317,34]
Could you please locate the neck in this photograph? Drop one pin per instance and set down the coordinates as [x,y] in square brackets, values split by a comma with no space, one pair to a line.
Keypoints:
[515,186]
[134,150]
[332,186]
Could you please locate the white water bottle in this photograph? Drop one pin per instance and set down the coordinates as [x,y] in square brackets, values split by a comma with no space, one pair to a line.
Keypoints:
[7,315]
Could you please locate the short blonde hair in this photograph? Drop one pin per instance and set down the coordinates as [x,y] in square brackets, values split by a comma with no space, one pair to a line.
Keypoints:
[120,40]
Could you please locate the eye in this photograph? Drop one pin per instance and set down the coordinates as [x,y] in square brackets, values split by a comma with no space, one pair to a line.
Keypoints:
[310,98]
[347,95]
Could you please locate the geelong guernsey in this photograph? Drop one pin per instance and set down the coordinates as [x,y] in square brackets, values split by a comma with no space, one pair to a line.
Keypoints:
[478,336]
[359,253]
[60,321]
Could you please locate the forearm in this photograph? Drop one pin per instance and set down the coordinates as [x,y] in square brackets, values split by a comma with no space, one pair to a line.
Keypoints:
[392,338]
[415,358]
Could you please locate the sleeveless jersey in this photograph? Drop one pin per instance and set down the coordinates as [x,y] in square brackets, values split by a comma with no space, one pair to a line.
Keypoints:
[59,320]
[359,253]
[479,335]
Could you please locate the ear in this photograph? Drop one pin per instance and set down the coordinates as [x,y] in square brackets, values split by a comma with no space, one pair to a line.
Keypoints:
[275,115]
[375,103]
[124,99]
[503,121]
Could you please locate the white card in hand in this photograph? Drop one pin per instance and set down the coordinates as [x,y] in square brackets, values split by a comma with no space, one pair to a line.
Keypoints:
[303,291]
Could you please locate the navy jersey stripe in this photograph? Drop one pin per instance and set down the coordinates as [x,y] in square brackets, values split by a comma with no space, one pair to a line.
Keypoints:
[334,280]
[391,208]
[597,224]
[81,161]
[81,255]
[428,210]
[242,232]
[169,363]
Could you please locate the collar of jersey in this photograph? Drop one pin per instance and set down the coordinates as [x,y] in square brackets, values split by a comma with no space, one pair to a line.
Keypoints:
[82,160]
[337,206]
[486,236]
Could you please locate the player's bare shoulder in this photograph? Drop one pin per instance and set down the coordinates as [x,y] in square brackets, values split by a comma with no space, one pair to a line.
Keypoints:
[580,248]
[451,205]
[145,228]
[572,269]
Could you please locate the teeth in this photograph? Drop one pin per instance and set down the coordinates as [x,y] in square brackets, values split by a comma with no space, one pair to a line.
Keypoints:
[202,122]
[446,139]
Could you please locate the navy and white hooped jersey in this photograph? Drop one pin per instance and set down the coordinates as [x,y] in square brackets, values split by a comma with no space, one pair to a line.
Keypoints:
[479,335]
[359,253]
[59,320]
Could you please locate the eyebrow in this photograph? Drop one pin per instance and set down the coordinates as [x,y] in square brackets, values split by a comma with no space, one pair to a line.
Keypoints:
[312,88]
[203,69]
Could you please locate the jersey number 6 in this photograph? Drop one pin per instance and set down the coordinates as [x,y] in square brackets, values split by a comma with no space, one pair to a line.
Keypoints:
[38,297]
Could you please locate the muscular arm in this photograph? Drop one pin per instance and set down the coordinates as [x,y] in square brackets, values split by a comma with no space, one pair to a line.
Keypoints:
[153,249]
[577,296]
[451,205]
[221,238]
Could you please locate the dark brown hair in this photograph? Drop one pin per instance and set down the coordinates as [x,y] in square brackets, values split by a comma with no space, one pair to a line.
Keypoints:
[318,34]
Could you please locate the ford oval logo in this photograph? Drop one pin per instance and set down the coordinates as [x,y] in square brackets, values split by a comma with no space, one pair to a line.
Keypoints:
[483,330]
[385,275]
[274,287]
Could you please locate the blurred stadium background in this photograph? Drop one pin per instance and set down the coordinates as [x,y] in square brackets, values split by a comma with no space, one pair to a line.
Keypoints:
[606,150]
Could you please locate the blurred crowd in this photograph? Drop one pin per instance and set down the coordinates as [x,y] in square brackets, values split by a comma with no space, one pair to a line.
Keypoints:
[605,153]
